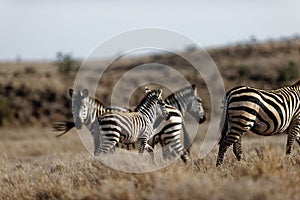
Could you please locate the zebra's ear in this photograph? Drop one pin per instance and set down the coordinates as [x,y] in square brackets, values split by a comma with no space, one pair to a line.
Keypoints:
[159,91]
[194,87]
[71,91]
[85,93]
[147,90]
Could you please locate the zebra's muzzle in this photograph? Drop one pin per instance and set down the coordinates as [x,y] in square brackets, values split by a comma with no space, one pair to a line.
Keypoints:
[202,119]
[78,123]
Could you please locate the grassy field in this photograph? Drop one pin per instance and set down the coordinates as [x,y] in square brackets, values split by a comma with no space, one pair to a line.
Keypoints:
[34,164]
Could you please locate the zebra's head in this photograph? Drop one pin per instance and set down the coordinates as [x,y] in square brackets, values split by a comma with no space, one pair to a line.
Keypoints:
[155,96]
[195,107]
[79,106]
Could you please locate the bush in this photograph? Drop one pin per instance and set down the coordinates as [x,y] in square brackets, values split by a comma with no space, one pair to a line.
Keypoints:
[30,70]
[244,71]
[289,73]
[4,110]
[66,63]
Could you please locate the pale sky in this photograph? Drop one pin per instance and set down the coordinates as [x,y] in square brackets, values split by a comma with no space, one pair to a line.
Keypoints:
[36,29]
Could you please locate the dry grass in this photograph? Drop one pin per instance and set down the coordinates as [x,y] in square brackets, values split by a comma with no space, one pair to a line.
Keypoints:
[36,165]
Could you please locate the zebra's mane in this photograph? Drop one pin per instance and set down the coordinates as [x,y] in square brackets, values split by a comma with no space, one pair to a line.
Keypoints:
[142,102]
[182,92]
[297,83]
[97,100]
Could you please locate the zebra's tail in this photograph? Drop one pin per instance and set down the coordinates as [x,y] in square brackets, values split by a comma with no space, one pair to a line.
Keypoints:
[224,121]
[64,126]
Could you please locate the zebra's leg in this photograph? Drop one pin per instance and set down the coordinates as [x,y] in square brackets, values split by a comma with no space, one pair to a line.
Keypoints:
[113,149]
[108,143]
[143,143]
[166,152]
[291,137]
[133,145]
[298,140]
[151,147]
[96,138]
[186,139]
[237,149]
[178,149]
[108,146]
[150,150]
[225,142]
[224,145]
[185,156]
[165,149]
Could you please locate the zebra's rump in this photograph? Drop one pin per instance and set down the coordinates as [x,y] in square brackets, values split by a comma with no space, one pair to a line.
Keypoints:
[263,112]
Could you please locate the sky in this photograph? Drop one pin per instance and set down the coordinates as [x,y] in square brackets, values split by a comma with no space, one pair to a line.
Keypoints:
[37,30]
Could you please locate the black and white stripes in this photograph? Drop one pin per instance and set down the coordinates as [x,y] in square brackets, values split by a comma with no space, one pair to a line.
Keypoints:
[115,127]
[245,109]
[187,100]
[263,112]
[86,111]
[167,133]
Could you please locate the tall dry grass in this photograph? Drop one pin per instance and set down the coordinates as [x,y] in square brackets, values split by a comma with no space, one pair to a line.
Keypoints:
[36,165]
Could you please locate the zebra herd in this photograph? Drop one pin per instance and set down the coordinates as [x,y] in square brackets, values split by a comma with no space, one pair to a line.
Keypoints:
[157,120]
[88,111]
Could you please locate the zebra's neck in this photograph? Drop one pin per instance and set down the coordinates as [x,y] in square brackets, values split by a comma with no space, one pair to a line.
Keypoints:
[289,97]
[95,109]
[148,108]
[296,91]
[179,100]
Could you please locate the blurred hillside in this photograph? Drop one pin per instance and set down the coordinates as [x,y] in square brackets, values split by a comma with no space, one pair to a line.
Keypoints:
[33,93]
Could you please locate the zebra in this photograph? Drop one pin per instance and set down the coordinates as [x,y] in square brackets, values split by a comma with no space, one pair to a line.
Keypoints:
[168,134]
[129,127]
[86,110]
[263,112]
[187,100]
[81,100]
[180,102]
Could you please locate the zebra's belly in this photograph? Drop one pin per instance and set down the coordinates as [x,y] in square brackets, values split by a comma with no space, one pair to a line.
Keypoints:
[127,138]
[268,129]
[133,136]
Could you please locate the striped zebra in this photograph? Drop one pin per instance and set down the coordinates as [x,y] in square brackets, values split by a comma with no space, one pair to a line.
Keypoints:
[168,134]
[187,100]
[82,102]
[263,112]
[86,111]
[115,127]
[94,106]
